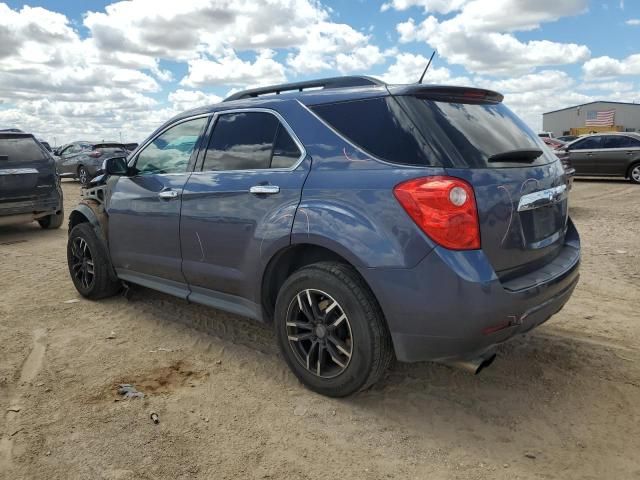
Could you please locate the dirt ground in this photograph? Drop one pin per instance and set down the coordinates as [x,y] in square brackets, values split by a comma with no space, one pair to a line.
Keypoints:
[561,402]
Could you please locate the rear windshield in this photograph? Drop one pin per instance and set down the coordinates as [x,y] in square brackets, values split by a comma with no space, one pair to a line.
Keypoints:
[418,131]
[20,149]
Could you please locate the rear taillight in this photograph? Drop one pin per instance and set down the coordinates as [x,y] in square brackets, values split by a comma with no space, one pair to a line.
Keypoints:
[444,208]
[95,154]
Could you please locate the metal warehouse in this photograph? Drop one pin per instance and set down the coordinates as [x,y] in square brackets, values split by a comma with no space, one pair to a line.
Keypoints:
[591,117]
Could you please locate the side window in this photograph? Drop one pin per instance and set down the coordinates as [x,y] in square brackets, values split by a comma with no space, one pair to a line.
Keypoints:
[621,141]
[285,150]
[241,141]
[613,142]
[378,126]
[66,151]
[590,143]
[170,152]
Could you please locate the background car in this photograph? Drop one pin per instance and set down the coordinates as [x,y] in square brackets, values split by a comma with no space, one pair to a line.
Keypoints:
[545,134]
[82,159]
[605,154]
[29,186]
[46,145]
[556,145]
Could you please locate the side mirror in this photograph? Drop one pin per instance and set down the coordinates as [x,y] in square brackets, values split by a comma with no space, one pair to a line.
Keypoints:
[115,166]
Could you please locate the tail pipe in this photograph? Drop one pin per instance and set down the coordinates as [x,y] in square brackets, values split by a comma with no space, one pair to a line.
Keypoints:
[476,365]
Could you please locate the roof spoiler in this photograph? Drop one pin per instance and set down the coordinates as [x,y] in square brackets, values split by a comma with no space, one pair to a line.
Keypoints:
[324,83]
[448,93]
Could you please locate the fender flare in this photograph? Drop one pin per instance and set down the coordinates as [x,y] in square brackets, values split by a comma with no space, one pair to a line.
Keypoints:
[94,214]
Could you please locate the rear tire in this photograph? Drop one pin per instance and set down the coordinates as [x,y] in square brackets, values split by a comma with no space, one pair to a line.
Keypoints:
[83,176]
[52,221]
[89,264]
[634,173]
[331,330]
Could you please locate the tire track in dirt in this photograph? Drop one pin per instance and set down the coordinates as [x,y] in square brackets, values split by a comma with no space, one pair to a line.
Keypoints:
[30,368]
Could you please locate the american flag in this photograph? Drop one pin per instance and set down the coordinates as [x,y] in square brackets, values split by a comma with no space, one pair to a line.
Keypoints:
[600,119]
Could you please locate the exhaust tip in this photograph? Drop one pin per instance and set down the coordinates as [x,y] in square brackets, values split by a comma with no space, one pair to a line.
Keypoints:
[485,363]
[474,366]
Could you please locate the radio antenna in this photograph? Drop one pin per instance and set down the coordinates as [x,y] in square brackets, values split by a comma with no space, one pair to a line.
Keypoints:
[427,67]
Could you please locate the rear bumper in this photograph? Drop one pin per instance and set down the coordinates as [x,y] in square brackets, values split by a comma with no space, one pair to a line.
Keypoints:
[452,305]
[35,208]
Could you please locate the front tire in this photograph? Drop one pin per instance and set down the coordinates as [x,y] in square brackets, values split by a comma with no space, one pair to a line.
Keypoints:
[52,221]
[89,264]
[634,173]
[331,330]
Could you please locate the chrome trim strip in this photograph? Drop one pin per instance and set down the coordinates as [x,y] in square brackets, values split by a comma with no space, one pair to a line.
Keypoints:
[18,171]
[542,198]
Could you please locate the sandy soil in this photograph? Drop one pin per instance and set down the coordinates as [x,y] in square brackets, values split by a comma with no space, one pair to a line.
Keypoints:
[562,402]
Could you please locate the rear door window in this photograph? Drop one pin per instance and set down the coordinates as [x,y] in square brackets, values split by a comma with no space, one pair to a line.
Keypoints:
[250,141]
[16,149]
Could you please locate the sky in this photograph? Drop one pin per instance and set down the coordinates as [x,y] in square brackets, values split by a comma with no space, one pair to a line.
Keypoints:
[101,70]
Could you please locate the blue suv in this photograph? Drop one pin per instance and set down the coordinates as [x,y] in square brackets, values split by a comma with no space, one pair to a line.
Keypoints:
[365,221]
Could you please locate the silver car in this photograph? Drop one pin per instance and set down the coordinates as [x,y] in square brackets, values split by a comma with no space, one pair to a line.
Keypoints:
[82,160]
[614,154]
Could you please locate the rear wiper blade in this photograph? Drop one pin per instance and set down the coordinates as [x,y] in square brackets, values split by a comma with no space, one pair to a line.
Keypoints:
[526,155]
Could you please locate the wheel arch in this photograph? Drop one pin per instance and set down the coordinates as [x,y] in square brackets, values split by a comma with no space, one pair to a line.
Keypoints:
[631,166]
[287,261]
[90,211]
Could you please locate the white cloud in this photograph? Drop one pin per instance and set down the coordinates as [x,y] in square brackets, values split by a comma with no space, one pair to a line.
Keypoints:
[611,67]
[545,80]
[408,67]
[333,46]
[633,22]
[480,37]
[437,6]
[229,69]
[182,100]
[361,59]
[612,86]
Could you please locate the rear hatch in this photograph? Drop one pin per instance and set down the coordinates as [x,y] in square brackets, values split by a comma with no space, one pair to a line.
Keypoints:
[26,168]
[519,184]
[110,149]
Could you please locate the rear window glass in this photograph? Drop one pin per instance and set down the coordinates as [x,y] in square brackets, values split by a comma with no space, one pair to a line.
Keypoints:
[417,131]
[20,149]
[466,135]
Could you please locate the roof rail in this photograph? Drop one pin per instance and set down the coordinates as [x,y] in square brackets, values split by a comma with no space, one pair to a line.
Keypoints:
[325,83]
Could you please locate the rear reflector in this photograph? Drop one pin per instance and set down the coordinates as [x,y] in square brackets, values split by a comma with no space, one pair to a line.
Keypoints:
[444,208]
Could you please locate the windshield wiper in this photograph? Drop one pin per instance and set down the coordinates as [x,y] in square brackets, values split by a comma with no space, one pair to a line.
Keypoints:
[526,155]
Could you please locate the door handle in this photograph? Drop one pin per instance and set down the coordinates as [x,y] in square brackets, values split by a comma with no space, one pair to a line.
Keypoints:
[264,189]
[629,153]
[589,154]
[168,194]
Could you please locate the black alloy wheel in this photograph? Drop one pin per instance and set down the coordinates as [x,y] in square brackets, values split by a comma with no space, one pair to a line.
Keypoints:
[319,333]
[82,265]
